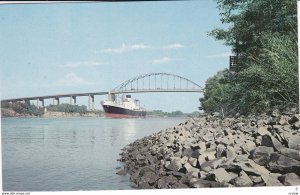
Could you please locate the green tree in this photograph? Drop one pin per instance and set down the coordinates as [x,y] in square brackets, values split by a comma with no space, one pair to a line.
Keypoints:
[263,33]
[249,19]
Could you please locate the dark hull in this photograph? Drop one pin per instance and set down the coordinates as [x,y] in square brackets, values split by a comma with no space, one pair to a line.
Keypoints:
[117,111]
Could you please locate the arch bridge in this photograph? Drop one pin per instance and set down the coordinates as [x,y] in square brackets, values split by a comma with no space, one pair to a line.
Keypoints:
[152,82]
[157,82]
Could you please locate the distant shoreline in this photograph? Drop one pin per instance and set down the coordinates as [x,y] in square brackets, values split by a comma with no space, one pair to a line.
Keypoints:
[8,113]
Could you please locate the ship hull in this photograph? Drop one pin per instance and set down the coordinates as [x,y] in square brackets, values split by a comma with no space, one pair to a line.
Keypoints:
[118,112]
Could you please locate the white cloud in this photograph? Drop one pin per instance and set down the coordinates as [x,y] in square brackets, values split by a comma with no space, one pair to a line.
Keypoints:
[221,55]
[84,64]
[164,60]
[71,79]
[125,48]
[173,46]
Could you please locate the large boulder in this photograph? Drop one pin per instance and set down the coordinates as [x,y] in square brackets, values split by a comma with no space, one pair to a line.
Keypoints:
[263,131]
[175,164]
[187,152]
[261,155]
[282,164]
[194,172]
[247,146]
[220,175]
[230,152]
[290,179]
[213,164]
[148,177]
[242,180]
[270,180]
[220,150]
[294,154]
[293,140]
[283,120]
[270,141]
[209,154]
[193,161]
[248,166]
[166,182]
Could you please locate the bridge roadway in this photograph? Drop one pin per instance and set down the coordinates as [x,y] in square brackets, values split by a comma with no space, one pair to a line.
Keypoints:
[56,98]
[91,101]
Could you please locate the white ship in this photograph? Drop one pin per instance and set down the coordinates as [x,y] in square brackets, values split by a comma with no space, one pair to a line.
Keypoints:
[124,107]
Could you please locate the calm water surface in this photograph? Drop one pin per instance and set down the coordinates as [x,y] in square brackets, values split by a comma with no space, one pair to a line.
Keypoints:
[63,154]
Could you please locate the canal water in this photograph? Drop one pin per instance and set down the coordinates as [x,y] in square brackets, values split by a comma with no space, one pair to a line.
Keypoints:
[69,154]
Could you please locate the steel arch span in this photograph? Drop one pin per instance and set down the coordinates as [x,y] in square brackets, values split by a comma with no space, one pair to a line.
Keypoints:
[157,82]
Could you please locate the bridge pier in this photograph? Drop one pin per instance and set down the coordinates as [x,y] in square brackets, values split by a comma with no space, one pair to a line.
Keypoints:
[73,100]
[56,100]
[91,102]
[42,101]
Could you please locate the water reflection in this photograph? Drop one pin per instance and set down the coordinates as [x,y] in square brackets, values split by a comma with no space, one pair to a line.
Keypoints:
[69,154]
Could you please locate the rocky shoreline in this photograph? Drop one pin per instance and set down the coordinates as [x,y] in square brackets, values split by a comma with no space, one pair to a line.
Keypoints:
[211,151]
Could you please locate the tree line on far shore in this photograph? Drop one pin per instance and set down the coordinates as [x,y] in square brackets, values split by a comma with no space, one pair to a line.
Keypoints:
[25,108]
[263,34]
[30,109]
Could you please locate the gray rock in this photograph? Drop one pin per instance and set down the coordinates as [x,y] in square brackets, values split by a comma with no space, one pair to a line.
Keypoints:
[166,182]
[193,161]
[251,168]
[176,174]
[283,120]
[220,175]
[290,179]
[206,169]
[296,125]
[230,152]
[256,179]
[270,181]
[213,164]
[201,159]
[187,152]
[233,175]
[191,169]
[175,164]
[258,140]
[242,181]
[283,164]
[195,154]
[295,154]
[293,141]
[227,141]
[271,141]
[293,119]
[248,146]
[184,159]
[179,185]
[263,131]
[209,154]
[240,158]
[166,164]
[220,150]
[261,155]
[203,174]
[202,146]
[200,183]
[208,137]
[144,185]
[122,172]
[149,177]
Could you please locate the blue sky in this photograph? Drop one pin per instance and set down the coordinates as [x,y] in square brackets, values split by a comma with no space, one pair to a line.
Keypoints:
[89,47]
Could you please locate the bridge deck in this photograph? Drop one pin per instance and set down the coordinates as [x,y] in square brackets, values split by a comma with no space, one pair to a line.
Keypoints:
[54,96]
